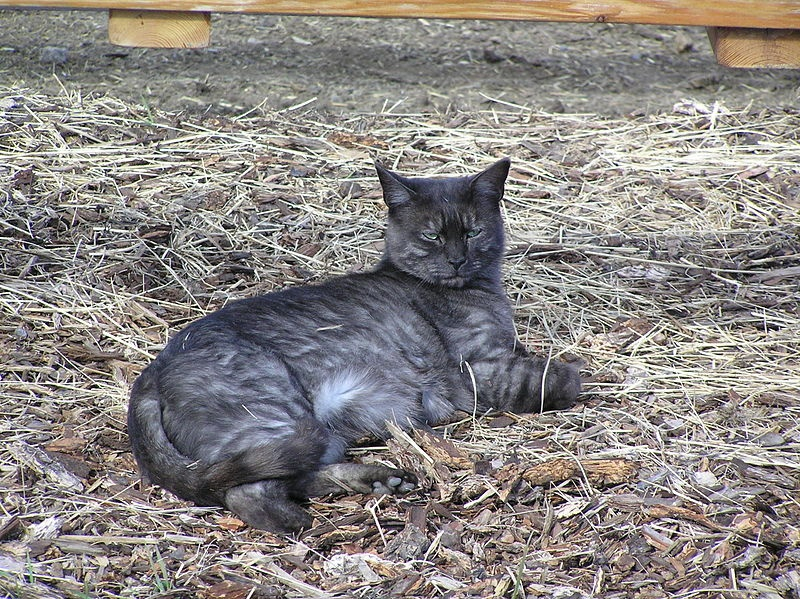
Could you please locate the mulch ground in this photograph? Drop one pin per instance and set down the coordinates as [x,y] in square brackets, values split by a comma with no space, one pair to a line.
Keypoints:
[661,251]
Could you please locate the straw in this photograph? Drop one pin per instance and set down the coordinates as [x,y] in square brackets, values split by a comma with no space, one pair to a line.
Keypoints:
[662,252]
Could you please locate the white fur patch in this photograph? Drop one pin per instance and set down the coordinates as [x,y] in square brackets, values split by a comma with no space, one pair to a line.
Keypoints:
[338,392]
[358,402]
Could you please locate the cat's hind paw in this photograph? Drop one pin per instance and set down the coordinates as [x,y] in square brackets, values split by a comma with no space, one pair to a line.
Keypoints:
[361,478]
[398,482]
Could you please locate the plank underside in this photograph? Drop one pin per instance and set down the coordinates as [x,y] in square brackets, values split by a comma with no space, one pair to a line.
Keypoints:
[766,14]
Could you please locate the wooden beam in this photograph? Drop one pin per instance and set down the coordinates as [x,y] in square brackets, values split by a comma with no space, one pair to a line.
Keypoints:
[159,28]
[763,14]
[756,48]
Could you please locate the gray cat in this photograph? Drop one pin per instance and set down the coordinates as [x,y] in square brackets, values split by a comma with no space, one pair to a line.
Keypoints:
[253,406]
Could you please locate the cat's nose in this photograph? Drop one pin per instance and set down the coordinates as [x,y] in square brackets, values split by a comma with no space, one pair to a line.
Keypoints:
[457,262]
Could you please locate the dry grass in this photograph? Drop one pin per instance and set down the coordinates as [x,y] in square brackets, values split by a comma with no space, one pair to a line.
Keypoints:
[664,252]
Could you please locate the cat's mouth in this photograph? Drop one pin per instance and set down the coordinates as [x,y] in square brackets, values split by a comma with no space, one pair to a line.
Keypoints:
[454,281]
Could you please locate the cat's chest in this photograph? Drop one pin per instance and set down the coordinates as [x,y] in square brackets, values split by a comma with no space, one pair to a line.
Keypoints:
[472,322]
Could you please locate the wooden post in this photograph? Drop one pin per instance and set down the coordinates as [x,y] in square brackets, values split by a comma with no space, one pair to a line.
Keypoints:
[159,28]
[756,48]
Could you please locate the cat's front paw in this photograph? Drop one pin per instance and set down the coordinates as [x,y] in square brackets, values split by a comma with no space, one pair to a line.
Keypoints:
[562,385]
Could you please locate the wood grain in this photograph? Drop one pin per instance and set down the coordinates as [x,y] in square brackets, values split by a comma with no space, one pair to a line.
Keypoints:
[159,29]
[783,14]
[756,48]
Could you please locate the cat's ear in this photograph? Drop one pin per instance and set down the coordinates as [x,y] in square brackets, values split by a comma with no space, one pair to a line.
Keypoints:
[491,182]
[395,190]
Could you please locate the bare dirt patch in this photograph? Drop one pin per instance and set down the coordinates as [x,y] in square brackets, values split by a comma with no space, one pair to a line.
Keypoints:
[362,65]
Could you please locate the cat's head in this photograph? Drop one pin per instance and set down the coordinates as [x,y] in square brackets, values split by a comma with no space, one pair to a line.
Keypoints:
[446,231]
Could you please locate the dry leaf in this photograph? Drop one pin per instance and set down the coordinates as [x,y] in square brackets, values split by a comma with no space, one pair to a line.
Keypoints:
[752,172]
[681,513]
[656,539]
[67,445]
[228,589]
[230,523]
[443,450]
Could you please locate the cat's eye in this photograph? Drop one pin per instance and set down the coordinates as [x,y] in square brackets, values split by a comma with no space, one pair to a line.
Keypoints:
[473,233]
[430,236]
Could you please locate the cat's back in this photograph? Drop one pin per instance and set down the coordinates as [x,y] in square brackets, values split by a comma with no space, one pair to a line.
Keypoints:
[359,312]
[384,318]
[352,299]
[384,298]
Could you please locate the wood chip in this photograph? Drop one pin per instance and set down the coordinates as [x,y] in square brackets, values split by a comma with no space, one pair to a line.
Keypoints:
[600,472]
[44,465]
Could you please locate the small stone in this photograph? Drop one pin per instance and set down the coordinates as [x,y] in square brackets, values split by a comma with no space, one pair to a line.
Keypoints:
[8,103]
[411,543]
[682,43]
[350,189]
[770,440]
[54,55]
[491,56]
[703,81]
[707,479]
[301,171]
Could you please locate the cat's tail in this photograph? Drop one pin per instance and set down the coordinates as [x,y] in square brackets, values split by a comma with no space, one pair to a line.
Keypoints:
[205,484]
